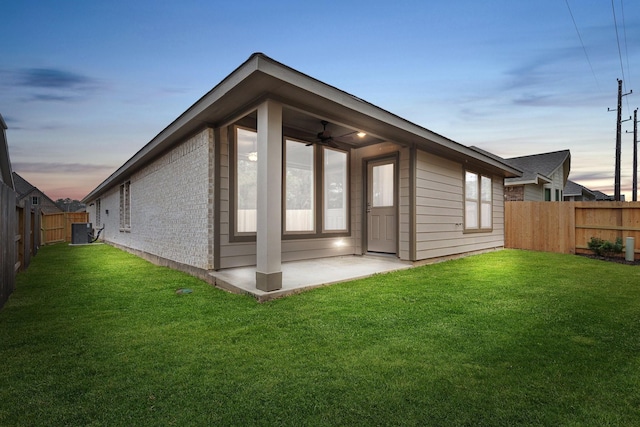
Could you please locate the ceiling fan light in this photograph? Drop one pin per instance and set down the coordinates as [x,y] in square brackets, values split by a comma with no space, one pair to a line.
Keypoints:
[361,134]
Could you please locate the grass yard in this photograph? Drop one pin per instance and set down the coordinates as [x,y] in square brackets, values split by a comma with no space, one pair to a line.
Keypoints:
[93,336]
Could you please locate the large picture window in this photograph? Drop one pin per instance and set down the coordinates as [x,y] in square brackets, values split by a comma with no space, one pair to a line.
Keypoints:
[335,190]
[299,184]
[478,202]
[315,187]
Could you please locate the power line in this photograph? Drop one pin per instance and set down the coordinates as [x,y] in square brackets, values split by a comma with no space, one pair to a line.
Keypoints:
[582,43]
[626,45]
[615,23]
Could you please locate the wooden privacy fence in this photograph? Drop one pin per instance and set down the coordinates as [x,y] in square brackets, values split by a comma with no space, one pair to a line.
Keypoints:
[567,227]
[8,242]
[19,238]
[57,227]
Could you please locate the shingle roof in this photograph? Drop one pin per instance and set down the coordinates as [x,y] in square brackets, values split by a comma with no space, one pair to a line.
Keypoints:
[575,189]
[602,196]
[545,163]
[534,167]
[24,188]
[260,78]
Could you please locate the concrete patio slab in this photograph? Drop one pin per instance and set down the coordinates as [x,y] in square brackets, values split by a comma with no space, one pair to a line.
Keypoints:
[298,276]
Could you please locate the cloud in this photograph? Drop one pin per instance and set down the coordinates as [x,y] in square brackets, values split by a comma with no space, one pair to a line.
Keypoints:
[50,84]
[52,78]
[535,100]
[55,168]
[50,97]
[582,176]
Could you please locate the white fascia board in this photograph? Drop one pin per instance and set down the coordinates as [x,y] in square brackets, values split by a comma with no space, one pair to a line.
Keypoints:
[535,181]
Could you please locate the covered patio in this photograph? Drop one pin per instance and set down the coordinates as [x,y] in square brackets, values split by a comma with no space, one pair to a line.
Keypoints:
[298,276]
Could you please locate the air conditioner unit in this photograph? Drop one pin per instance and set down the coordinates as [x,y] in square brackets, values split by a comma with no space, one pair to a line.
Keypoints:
[81,233]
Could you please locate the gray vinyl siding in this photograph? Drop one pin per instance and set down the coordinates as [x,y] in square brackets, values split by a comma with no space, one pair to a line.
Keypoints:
[534,192]
[557,183]
[232,254]
[404,239]
[440,210]
[358,196]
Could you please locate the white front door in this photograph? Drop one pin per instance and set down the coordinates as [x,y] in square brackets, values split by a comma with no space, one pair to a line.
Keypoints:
[381,206]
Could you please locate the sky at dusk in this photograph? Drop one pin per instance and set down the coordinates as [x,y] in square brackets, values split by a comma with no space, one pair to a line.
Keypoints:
[85,84]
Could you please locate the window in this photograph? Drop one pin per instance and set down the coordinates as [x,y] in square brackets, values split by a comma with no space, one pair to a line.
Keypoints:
[547,194]
[557,195]
[315,187]
[299,184]
[335,190]
[35,200]
[98,212]
[478,202]
[125,206]
[383,183]
[246,180]
[485,203]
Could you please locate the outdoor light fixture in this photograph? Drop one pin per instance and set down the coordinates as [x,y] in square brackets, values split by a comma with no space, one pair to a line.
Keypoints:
[253,156]
[361,134]
[106,211]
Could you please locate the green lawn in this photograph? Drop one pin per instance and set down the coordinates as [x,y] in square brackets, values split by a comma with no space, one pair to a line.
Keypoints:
[95,336]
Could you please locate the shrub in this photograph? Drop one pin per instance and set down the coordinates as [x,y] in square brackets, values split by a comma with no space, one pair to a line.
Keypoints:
[604,247]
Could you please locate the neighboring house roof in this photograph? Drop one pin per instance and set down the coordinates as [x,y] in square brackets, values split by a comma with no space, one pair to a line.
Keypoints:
[602,196]
[24,189]
[5,163]
[573,189]
[540,167]
[260,78]
[536,168]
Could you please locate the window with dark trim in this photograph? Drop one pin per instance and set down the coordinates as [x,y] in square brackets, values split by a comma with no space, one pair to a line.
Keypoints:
[299,184]
[478,202]
[315,188]
[125,206]
[35,200]
[98,219]
[335,203]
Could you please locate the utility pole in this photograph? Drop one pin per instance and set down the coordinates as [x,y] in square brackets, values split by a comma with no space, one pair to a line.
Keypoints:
[635,155]
[617,196]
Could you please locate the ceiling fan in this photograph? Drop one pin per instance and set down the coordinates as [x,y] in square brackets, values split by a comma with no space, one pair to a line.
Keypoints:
[324,137]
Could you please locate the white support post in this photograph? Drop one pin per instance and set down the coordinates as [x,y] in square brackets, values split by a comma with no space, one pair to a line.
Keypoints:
[269,221]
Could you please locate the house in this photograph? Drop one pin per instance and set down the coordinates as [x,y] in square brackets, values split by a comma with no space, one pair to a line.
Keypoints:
[6,174]
[37,198]
[273,166]
[543,177]
[574,192]
[602,197]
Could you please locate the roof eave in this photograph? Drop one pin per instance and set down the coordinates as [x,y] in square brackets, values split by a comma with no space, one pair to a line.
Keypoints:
[244,83]
[539,178]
